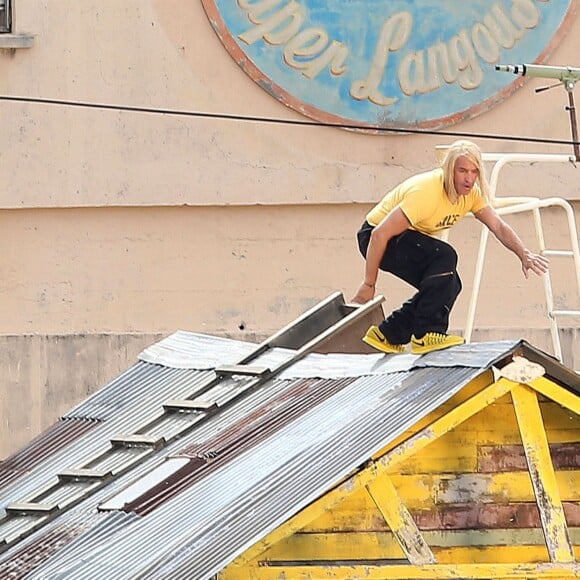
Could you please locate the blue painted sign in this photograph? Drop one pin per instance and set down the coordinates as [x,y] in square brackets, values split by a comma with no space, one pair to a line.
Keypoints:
[392,63]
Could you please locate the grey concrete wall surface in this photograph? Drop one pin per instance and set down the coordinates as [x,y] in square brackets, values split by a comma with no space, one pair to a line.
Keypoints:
[44,376]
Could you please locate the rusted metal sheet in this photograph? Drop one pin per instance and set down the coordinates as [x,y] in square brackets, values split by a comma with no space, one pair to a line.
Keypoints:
[262,422]
[65,540]
[56,437]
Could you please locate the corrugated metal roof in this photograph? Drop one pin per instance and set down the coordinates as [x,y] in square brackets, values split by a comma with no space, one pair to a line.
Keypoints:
[187,350]
[269,449]
[55,438]
[70,537]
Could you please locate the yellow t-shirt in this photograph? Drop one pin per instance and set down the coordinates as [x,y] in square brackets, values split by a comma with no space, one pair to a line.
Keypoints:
[423,200]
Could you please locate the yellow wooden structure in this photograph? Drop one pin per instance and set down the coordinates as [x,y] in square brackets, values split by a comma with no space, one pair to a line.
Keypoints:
[487,486]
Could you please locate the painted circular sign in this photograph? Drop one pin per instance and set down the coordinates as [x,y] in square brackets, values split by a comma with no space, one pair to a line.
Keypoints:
[388,63]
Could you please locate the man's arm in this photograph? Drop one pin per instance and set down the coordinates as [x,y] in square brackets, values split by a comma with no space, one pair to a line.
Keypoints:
[393,225]
[508,237]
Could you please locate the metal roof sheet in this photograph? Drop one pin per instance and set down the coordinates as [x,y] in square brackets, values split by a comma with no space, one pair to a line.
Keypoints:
[56,437]
[262,458]
[189,350]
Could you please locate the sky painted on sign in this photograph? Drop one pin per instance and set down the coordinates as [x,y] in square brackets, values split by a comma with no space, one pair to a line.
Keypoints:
[394,63]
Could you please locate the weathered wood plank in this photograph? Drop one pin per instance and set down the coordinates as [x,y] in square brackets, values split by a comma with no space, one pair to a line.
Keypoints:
[406,572]
[494,458]
[460,546]
[366,517]
[488,487]
[489,516]
[542,473]
[400,521]
[446,423]
[564,435]
[442,491]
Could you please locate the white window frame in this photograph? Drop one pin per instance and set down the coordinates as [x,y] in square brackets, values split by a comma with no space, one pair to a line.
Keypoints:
[9,37]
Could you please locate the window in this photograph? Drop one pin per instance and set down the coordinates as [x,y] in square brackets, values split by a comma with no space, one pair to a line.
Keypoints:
[5,16]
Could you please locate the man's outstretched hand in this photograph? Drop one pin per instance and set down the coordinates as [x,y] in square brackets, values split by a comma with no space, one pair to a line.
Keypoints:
[537,263]
[364,293]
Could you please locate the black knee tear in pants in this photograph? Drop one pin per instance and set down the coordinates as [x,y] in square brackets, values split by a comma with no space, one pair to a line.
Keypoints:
[427,264]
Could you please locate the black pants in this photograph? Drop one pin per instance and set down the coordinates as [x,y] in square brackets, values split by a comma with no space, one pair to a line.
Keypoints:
[427,264]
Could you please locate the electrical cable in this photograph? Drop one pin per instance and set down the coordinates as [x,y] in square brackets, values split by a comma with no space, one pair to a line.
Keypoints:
[281,121]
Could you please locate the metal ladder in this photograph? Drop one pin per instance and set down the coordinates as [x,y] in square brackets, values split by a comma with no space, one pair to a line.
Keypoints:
[314,331]
[512,205]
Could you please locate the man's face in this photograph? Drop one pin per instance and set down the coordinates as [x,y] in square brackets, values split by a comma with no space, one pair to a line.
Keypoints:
[464,175]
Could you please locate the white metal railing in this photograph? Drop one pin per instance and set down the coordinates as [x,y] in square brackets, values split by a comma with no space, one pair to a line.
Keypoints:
[512,205]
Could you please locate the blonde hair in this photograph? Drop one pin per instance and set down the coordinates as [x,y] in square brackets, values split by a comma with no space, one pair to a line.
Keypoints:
[472,152]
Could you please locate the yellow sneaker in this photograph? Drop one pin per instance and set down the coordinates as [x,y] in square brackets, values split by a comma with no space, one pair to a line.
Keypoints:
[375,338]
[434,341]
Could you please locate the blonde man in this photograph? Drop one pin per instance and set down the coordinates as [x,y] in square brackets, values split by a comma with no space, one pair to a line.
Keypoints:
[400,236]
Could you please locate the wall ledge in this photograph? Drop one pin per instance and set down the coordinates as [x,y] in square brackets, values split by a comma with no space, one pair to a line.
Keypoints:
[21,40]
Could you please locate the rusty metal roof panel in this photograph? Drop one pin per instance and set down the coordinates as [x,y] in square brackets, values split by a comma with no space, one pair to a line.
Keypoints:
[70,441]
[140,384]
[74,535]
[56,437]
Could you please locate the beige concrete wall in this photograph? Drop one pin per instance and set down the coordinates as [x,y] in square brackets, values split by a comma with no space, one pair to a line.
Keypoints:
[44,376]
[123,224]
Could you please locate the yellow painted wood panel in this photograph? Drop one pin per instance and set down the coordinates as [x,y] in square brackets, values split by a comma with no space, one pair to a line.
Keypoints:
[527,545]
[445,424]
[564,428]
[488,437]
[406,572]
[542,474]
[400,521]
[357,512]
[535,554]
[455,451]
[336,547]
[422,490]
[562,396]
[502,416]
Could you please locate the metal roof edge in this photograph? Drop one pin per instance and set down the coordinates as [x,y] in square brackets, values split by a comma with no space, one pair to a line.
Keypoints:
[557,371]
